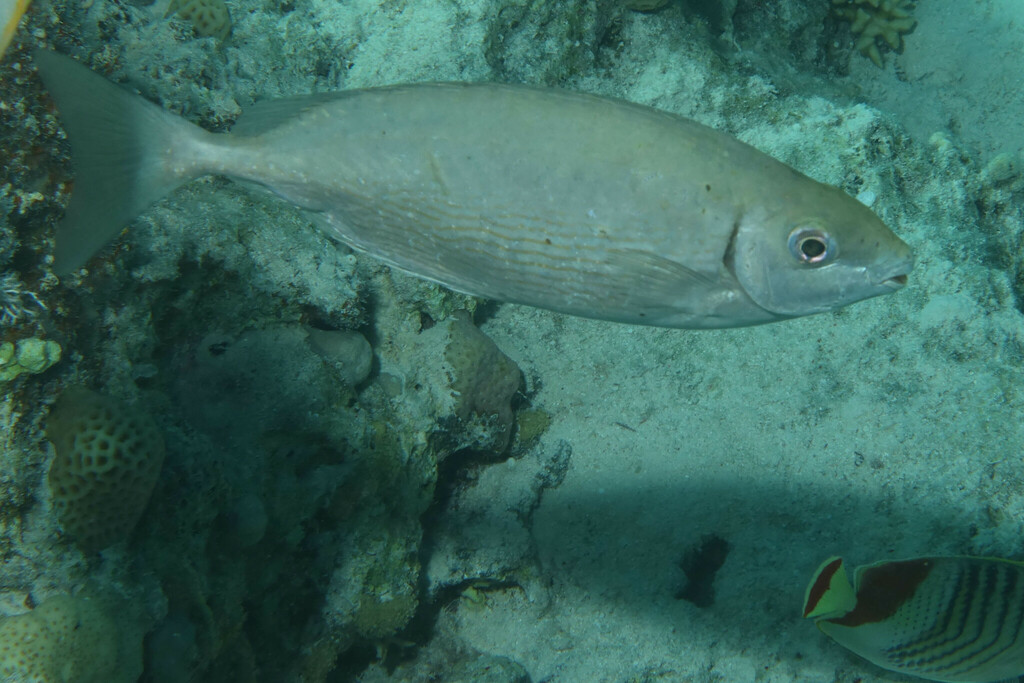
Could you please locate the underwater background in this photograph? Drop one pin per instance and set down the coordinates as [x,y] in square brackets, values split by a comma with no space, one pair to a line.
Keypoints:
[365,477]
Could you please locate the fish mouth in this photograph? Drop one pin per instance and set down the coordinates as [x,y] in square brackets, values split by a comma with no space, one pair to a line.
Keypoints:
[895,274]
[895,282]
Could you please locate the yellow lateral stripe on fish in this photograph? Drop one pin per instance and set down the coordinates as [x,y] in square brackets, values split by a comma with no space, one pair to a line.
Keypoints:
[954,619]
[10,15]
[561,200]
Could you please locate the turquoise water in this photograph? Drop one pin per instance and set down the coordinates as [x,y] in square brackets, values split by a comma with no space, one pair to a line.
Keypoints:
[359,486]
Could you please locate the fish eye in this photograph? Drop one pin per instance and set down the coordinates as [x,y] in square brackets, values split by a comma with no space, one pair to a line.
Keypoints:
[813,246]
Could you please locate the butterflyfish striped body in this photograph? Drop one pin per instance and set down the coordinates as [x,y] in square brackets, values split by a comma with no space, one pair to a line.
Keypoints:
[938,618]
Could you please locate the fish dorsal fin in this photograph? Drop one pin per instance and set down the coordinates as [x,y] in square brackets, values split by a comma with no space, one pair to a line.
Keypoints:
[266,115]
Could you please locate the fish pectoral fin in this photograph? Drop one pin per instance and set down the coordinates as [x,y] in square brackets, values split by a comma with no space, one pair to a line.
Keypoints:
[655,285]
[657,273]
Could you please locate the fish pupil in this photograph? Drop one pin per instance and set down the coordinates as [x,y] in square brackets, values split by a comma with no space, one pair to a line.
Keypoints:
[812,248]
[811,245]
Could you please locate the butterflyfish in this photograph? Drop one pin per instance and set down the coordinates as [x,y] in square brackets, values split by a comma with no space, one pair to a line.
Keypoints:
[939,618]
[561,200]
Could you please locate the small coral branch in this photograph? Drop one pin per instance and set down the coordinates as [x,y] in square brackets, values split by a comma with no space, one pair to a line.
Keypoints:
[17,304]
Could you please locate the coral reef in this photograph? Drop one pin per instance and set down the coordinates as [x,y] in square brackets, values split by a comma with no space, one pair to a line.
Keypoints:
[331,490]
[8,242]
[286,525]
[106,462]
[485,530]
[874,22]
[568,33]
[998,189]
[30,189]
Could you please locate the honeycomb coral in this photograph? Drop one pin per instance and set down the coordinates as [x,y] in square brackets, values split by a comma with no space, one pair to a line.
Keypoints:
[107,458]
[64,640]
[210,18]
[874,19]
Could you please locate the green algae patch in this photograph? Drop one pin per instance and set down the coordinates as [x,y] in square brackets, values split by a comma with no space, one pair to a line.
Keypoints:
[532,424]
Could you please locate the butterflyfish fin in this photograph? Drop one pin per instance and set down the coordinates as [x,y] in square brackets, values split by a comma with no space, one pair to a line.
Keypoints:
[829,594]
[10,15]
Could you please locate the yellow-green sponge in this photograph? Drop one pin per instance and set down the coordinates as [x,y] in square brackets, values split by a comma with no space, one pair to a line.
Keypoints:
[873,21]
[29,355]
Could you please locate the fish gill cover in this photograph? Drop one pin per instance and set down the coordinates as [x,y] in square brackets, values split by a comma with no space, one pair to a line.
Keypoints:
[305,527]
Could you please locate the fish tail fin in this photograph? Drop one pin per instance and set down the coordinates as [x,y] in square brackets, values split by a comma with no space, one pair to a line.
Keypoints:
[122,147]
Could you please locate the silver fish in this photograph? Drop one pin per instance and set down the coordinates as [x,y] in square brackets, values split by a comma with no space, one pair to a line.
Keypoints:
[571,202]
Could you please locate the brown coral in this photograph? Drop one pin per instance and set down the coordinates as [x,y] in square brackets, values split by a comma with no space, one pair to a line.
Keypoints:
[484,380]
